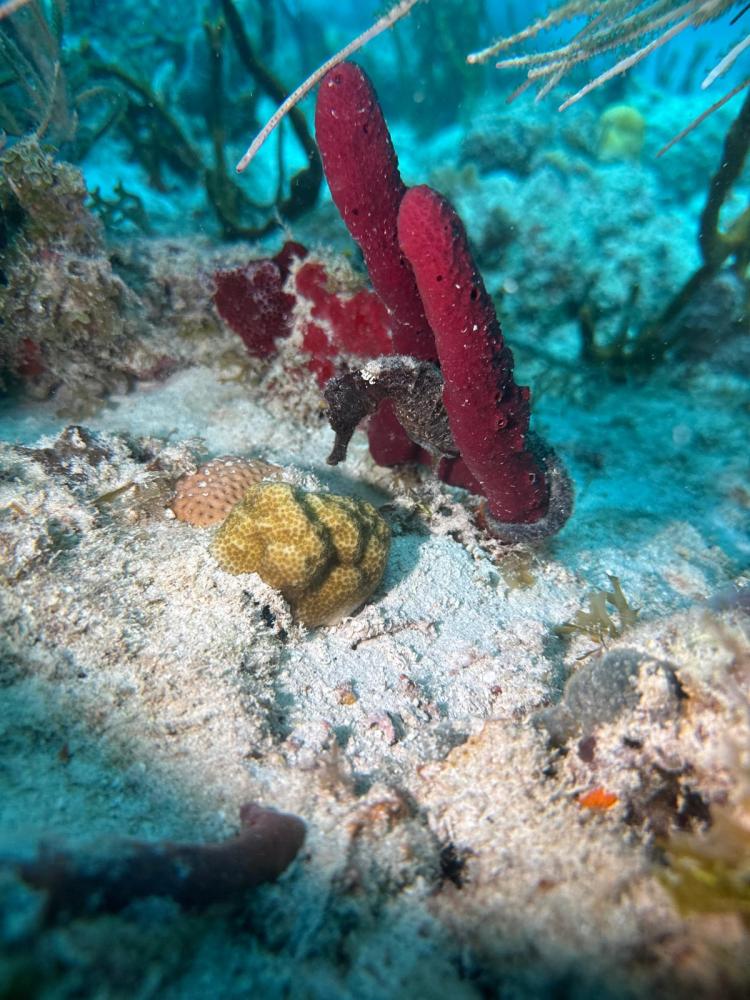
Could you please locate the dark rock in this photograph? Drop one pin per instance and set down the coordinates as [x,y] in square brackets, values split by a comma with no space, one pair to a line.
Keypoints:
[606,688]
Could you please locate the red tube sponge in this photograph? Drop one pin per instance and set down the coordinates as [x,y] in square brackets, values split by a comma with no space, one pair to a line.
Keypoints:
[488,412]
[361,168]
[109,876]
[417,254]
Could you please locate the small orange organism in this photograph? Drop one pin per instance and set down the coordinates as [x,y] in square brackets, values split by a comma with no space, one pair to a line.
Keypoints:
[598,799]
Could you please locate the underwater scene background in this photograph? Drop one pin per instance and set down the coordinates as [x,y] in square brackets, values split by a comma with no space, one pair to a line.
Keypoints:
[333,662]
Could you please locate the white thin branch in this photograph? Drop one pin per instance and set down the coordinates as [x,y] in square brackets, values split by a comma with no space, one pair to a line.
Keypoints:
[625,64]
[555,17]
[385,22]
[702,117]
[6,9]
[728,60]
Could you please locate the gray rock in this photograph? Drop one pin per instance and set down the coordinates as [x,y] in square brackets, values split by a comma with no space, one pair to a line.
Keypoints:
[608,687]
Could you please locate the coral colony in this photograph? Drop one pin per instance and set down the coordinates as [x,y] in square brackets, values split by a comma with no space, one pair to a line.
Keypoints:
[441,377]
[205,497]
[325,553]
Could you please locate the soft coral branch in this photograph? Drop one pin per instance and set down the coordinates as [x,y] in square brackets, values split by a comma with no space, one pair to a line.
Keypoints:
[11,7]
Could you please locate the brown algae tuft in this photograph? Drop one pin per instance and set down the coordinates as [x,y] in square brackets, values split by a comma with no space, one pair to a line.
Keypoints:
[597,623]
[325,553]
[711,873]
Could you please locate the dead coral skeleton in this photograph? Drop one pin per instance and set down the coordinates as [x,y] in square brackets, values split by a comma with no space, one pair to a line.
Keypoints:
[371,625]
[710,872]
[145,493]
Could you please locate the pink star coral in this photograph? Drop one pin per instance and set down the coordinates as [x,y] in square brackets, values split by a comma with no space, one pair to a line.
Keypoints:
[205,497]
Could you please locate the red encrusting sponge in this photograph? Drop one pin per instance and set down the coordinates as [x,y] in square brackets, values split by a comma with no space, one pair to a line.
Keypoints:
[350,325]
[252,300]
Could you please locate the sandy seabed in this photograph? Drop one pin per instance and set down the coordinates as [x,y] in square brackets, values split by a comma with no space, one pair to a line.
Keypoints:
[488,803]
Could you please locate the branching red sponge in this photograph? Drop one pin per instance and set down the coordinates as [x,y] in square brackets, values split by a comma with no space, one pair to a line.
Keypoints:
[487,411]
[259,303]
[338,324]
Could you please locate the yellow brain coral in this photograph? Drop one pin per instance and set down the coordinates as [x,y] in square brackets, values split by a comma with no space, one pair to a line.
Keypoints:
[325,553]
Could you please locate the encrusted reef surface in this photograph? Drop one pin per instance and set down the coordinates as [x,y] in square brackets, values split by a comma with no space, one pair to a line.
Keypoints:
[516,771]
[494,759]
